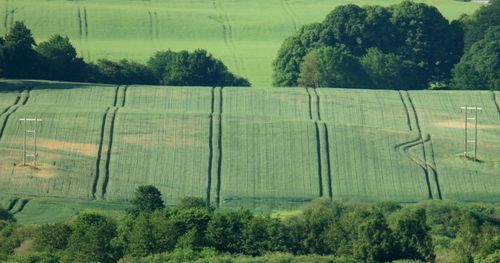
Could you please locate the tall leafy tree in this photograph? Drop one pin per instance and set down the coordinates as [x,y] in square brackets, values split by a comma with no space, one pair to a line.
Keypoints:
[20,59]
[60,59]
[225,230]
[479,68]
[375,242]
[413,237]
[480,22]
[90,240]
[147,199]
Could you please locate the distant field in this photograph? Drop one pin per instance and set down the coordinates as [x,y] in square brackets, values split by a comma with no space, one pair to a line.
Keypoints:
[262,148]
[244,34]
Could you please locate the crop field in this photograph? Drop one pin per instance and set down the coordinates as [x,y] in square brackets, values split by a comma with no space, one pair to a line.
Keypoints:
[245,35]
[265,149]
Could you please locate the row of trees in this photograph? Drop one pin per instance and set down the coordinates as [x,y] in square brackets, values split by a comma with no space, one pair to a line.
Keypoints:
[56,59]
[341,232]
[405,46]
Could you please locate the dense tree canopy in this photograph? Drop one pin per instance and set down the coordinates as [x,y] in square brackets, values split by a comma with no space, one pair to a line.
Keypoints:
[405,46]
[56,59]
[479,68]
[147,199]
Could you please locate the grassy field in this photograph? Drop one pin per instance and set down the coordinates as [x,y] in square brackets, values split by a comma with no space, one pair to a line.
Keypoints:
[266,149]
[244,34]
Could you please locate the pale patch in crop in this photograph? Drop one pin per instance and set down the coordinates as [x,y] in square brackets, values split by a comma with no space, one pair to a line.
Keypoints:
[81,148]
[460,125]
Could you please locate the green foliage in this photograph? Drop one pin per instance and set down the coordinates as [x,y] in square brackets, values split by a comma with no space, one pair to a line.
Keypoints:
[60,60]
[477,25]
[34,257]
[90,240]
[412,236]
[147,199]
[225,230]
[19,58]
[192,69]
[479,68]
[52,238]
[122,72]
[192,202]
[337,68]
[375,242]
[416,45]
[6,215]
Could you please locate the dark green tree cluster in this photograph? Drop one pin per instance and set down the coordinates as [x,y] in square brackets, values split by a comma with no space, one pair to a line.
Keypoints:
[479,68]
[325,231]
[56,59]
[409,45]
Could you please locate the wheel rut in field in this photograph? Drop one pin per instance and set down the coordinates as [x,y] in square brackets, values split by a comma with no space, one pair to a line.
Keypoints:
[83,31]
[285,5]
[219,143]
[6,16]
[322,144]
[153,24]
[424,164]
[227,34]
[210,146]
[21,100]
[99,153]
[328,168]
[310,103]
[12,203]
[408,119]
[110,113]
[23,204]
[494,97]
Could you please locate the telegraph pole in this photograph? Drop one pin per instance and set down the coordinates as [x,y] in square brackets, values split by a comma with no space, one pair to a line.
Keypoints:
[34,123]
[474,109]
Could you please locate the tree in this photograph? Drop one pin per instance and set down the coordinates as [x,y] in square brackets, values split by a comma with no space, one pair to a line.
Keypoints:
[338,68]
[413,238]
[374,242]
[480,22]
[198,68]
[286,66]
[91,240]
[426,38]
[192,202]
[225,230]
[6,215]
[52,238]
[20,59]
[60,60]
[141,241]
[146,200]
[479,68]
[122,72]
[310,71]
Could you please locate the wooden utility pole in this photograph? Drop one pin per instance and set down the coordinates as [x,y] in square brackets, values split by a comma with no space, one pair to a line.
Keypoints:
[34,123]
[474,109]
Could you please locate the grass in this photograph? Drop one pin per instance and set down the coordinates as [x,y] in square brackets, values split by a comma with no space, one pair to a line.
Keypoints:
[115,29]
[271,149]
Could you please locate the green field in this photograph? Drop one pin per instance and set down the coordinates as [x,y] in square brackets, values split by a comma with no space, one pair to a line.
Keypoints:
[263,148]
[245,35]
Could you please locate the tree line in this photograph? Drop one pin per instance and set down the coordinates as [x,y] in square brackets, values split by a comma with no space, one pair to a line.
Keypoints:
[409,45]
[324,231]
[56,59]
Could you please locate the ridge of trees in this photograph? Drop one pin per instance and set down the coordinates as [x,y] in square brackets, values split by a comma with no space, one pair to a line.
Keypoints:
[56,59]
[409,45]
[324,231]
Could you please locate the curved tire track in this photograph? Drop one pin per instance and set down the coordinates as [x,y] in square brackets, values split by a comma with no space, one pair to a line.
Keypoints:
[13,108]
[24,202]
[495,101]
[285,5]
[408,120]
